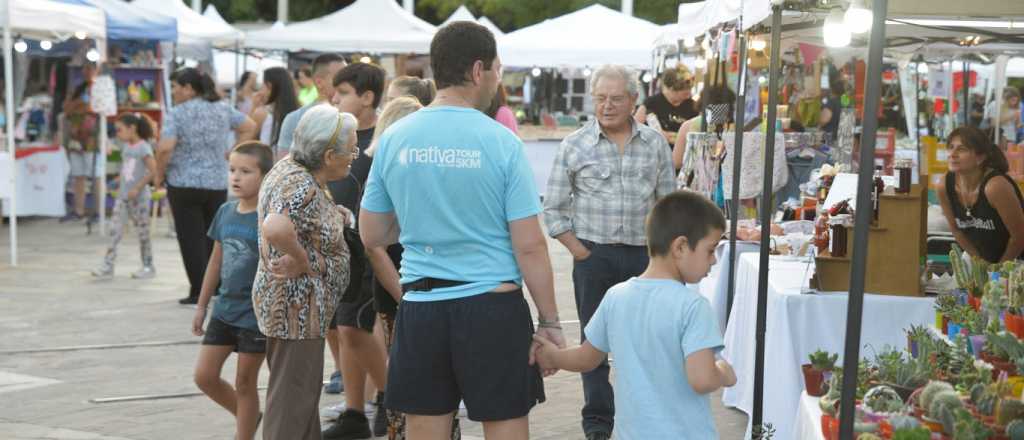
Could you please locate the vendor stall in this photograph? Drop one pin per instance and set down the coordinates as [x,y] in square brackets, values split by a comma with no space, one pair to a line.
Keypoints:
[44,20]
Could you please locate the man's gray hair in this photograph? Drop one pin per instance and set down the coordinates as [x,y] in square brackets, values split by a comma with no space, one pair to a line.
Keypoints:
[321,128]
[619,72]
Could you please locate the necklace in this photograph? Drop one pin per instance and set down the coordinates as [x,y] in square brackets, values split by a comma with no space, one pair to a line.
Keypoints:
[446,99]
[965,195]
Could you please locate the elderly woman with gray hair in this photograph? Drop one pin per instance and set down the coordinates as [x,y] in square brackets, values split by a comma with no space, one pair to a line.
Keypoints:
[303,267]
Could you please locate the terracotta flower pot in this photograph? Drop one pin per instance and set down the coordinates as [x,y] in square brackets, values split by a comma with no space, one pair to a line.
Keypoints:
[1015,325]
[975,302]
[999,364]
[826,425]
[932,425]
[813,379]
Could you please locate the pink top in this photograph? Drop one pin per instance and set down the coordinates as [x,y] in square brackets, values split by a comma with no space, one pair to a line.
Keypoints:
[505,117]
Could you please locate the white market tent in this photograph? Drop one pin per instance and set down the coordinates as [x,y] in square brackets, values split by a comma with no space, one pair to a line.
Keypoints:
[228,67]
[591,36]
[463,14]
[193,28]
[40,19]
[373,26]
[487,23]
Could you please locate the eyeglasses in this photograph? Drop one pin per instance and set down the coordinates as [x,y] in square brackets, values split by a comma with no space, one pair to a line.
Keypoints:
[615,100]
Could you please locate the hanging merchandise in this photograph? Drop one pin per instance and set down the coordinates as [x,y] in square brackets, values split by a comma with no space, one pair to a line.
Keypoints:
[908,91]
[701,165]
[104,96]
[938,82]
[752,164]
[842,150]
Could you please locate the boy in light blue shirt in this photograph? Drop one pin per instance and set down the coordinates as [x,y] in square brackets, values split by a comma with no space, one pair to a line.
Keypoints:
[662,332]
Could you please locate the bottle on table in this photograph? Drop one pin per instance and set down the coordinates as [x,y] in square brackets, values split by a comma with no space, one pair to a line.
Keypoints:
[876,192]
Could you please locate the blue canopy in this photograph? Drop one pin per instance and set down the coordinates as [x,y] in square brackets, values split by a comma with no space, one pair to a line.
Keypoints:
[127,22]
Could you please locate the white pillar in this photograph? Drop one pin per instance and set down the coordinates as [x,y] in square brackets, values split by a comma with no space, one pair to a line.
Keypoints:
[197,5]
[9,106]
[282,11]
[627,7]
[409,5]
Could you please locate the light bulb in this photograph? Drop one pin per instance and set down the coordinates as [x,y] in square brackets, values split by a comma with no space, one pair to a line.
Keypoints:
[586,71]
[20,46]
[365,60]
[835,32]
[922,68]
[647,77]
[858,18]
[758,44]
[762,80]
[45,45]
[689,41]
[92,55]
[80,35]
[535,72]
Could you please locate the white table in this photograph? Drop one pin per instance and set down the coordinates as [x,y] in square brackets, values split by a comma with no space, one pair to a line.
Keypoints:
[807,425]
[715,287]
[41,178]
[797,325]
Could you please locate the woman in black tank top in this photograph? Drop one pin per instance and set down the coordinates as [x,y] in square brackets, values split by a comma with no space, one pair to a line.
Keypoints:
[982,204]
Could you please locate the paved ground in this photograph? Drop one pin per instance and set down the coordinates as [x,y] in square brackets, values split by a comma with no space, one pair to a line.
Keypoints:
[50,302]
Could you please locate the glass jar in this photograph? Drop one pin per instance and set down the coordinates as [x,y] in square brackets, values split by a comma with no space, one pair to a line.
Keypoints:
[904,171]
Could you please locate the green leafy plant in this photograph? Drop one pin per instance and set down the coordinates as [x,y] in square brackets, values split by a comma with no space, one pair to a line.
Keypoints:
[823,360]
[945,303]
[762,432]
[1009,409]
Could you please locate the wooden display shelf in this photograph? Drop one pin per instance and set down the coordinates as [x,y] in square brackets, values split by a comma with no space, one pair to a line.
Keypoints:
[896,249]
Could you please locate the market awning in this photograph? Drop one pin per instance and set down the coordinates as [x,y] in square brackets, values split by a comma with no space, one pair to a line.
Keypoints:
[46,19]
[127,22]
[193,28]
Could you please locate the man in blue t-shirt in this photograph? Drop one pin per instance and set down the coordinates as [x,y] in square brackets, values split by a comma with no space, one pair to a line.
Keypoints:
[458,187]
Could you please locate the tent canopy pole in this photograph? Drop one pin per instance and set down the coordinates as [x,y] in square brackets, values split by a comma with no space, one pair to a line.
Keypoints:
[9,105]
[774,72]
[737,155]
[865,182]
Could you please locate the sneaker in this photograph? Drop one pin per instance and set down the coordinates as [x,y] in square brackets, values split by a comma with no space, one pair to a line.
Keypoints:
[334,411]
[189,300]
[380,417]
[103,273]
[351,425]
[335,386]
[145,273]
[72,217]
[462,409]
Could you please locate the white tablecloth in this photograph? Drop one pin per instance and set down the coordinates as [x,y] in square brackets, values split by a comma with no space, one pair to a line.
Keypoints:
[715,287]
[807,425]
[41,177]
[798,324]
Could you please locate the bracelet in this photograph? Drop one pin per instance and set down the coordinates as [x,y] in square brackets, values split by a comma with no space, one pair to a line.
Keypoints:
[543,322]
[549,325]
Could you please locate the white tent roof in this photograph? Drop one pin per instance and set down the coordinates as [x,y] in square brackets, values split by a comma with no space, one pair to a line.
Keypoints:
[463,14]
[487,23]
[591,36]
[193,27]
[365,26]
[47,19]
[460,14]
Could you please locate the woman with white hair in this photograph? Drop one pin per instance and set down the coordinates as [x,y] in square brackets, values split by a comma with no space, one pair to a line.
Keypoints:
[303,267]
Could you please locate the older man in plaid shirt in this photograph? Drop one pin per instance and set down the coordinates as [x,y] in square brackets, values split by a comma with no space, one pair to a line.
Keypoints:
[605,179]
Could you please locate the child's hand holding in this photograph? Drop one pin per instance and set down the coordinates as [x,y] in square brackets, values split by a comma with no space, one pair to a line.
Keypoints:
[197,321]
[542,353]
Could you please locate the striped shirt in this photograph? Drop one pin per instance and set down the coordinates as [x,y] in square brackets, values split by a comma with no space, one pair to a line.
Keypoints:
[603,195]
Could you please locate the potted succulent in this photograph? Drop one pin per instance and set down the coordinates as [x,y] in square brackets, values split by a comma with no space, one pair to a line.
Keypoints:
[814,372]
[942,411]
[911,434]
[1002,351]
[881,402]
[966,427]
[944,306]
[903,375]
[1015,303]
[927,394]
[1015,430]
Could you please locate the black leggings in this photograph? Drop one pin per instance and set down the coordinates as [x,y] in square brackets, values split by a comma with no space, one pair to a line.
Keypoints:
[193,210]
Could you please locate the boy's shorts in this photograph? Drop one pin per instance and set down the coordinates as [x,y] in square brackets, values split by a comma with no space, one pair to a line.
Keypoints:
[382,300]
[356,306]
[476,349]
[242,339]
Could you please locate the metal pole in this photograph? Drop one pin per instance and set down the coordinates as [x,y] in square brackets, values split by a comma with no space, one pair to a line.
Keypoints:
[965,86]
[197,5]
[234,88]
[917,116]
[282,11]
[409,6]
[855,307]
[766,218]
[9,105]
[737,155]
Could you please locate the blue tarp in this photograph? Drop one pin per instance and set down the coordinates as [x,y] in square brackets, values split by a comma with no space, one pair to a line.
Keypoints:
[126,22]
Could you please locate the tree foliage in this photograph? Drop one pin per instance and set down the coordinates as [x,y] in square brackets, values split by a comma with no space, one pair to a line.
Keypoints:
[509,15]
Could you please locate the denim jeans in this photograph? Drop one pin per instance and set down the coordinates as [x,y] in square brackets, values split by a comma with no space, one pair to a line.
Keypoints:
[607,266]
